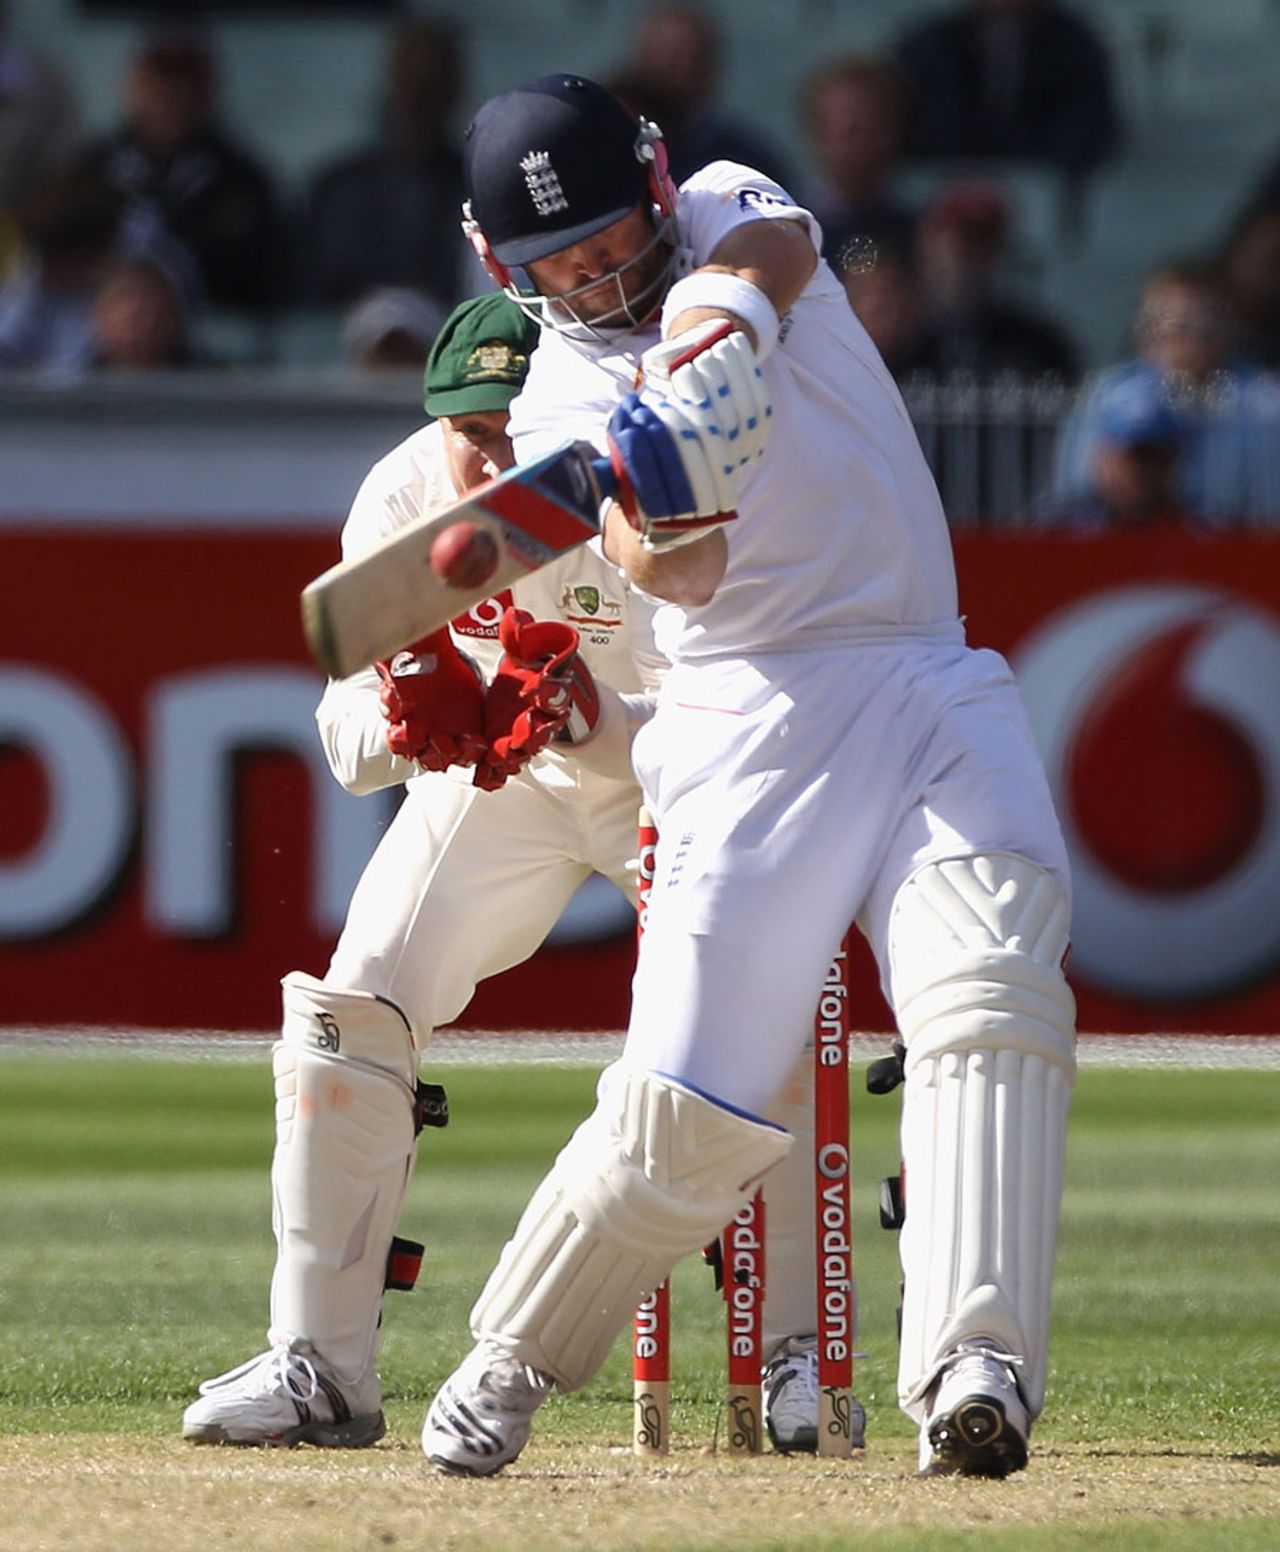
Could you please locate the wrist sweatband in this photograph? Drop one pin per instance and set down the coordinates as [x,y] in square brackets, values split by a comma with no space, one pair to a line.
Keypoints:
[730,294]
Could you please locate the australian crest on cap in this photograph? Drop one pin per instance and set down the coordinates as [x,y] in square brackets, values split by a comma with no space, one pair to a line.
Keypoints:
[496,358]
[543,182]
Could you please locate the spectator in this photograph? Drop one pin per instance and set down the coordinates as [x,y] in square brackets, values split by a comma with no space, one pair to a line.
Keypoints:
[1266,191]
[39,118]
[885,294]
[672,74]
[72,227]
[391,329]
[1249,261]
[852,114]
[969,358]
[970,324]
[1134,469]
[1187,349]
[13,247]
[139,320]
[1021,80]
[386,214]
[186,182]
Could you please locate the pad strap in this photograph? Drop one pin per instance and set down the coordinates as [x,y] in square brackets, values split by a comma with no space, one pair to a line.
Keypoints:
[430,1106]
[404,1262]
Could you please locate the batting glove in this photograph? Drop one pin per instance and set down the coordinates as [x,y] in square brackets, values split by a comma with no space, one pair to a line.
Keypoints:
[679,493]
[710,372]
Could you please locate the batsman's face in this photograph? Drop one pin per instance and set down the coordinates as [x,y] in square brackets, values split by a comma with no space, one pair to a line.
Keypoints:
[476,447]
[609,276]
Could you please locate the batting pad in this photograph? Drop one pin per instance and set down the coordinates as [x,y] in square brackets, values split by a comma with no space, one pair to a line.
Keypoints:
[976,946]
[791,1294]
[652,1174]
[345,1073]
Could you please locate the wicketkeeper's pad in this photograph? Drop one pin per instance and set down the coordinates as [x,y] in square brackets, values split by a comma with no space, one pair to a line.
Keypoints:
[345,1079]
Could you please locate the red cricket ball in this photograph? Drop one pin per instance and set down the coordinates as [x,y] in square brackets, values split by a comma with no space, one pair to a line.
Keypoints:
[464,555]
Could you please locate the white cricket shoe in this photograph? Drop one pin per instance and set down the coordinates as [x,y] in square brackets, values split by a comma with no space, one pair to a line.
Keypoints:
[977,1423]
[790,1388]
[285,1397]
[482,1416]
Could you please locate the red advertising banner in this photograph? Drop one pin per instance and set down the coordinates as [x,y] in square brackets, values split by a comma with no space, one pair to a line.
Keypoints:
[171,841]
[1150,665]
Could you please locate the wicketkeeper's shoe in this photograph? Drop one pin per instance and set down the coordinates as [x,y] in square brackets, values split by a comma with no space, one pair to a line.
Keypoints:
[790,1389]
[481,1418]
[285,1397]
[977,1423]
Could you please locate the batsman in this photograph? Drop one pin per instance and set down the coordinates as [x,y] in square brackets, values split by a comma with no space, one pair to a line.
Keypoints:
[511,733]
[827,748]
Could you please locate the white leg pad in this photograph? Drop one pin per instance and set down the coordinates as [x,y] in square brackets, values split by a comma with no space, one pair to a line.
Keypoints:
[345,1073]
[653,1173]
[791,1294]
[976,947]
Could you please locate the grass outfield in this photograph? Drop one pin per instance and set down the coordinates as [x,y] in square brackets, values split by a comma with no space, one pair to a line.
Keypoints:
[135,1253]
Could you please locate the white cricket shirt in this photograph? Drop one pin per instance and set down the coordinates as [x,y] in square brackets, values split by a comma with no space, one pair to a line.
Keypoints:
[840,533]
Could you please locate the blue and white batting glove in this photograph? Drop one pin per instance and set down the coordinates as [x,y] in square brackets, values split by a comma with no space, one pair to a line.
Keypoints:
[711,373]
[679,492]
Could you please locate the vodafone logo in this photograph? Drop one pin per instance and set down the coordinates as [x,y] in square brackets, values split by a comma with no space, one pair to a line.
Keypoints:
[1157,710]
[483,619]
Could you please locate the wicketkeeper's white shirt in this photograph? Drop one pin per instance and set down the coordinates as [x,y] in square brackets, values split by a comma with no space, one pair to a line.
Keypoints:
[614,623]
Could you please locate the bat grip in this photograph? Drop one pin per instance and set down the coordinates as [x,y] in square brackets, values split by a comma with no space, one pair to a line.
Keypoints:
[612,479]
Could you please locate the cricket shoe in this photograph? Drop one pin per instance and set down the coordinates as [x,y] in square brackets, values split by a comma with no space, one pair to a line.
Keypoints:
[977,1424]
[790,1389]
[285,1397]
[481,1418]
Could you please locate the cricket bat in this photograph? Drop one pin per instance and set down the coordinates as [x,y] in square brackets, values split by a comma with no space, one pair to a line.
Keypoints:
[367,608]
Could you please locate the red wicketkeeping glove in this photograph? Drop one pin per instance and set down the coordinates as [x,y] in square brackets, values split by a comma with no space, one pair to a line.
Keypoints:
[541,691]
[433,700]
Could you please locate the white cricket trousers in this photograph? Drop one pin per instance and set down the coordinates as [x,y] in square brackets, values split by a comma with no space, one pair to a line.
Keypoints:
[794,793]
[466,883]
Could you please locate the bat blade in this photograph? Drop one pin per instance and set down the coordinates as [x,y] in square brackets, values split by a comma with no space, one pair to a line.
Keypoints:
[368,608]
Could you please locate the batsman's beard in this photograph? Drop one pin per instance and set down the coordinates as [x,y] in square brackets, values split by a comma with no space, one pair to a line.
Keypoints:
[607,305]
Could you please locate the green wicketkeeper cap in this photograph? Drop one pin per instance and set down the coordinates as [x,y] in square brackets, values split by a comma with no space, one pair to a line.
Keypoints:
[480,357]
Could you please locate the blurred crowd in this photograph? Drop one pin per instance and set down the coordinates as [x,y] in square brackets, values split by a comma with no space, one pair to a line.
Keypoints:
[116,247]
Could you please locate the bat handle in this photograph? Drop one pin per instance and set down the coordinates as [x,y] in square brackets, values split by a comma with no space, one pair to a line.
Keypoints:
[612,479]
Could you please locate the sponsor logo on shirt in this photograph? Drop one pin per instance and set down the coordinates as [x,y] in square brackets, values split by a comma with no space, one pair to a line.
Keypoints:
[751,199]
[483,619]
